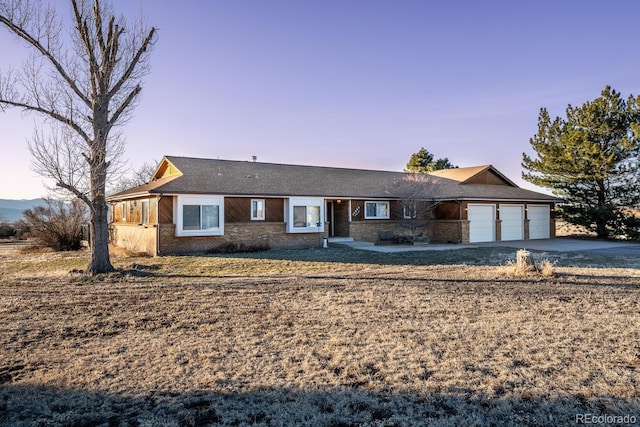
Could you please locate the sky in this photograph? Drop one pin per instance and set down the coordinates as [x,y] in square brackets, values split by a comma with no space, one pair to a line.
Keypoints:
[354,83]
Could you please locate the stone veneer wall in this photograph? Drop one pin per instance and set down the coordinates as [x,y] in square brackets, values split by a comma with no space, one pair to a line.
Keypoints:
[270,234]
[450,230]
[368,230]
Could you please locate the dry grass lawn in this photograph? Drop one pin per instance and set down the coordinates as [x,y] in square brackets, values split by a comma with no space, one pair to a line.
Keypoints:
[320,338]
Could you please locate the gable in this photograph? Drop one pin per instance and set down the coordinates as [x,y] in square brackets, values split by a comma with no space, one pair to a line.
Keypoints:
[488,177]
[483,175]
[166,169]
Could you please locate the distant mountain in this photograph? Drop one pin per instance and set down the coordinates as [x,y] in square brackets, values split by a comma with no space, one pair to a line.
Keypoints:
[11,210]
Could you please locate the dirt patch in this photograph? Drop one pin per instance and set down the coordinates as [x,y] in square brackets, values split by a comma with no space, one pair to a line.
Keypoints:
[261,340]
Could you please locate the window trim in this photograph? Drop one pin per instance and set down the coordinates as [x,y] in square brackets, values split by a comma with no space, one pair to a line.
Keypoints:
[292,203]
[409,211]
[377,202]
[264,209]
[204,200]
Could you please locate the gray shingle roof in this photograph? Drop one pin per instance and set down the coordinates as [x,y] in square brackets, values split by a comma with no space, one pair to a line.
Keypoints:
[242,178]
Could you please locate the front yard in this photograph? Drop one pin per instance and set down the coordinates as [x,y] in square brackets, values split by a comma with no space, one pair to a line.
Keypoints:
[333,337]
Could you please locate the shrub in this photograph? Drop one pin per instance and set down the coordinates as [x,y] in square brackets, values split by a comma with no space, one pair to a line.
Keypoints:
[232,248]
[57,225]
[7,230]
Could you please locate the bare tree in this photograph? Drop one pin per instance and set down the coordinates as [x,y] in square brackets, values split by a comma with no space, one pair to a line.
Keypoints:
[85,86]
[135,177]
[419,196]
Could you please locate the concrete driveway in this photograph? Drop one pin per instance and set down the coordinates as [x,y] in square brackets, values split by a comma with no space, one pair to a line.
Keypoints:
[596,247]
[569,245]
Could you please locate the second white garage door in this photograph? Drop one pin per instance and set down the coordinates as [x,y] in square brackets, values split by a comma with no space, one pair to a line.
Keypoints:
[539,221]
[482,222]
[512,224]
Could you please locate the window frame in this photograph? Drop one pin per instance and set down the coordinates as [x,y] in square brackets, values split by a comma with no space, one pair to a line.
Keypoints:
[255,217]
[377,203]
[409,210]
[295,204]
[200,201]
[124,211]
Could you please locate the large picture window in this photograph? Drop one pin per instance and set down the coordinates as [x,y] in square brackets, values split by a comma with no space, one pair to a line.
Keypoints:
[305,216]
[376,210]
[199,216]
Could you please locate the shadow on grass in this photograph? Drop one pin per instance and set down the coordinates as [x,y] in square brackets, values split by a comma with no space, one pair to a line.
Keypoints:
[35,406]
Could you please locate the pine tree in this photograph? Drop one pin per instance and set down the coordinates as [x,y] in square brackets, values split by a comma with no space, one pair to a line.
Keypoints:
[423,162]
[590,159]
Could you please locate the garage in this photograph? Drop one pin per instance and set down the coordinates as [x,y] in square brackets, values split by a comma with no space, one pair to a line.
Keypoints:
[539,220]
[512,222]
[482,222]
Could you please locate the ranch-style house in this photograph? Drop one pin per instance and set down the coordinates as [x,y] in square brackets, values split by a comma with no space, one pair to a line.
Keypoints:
[194,205]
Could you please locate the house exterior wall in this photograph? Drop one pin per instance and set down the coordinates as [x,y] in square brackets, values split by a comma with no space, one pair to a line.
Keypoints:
[447,227]
[238,209]
[370,230]
[268,234]
[450,231]
[134,238]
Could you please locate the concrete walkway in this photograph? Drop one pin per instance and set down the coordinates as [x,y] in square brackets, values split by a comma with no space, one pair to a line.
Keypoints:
[550,245]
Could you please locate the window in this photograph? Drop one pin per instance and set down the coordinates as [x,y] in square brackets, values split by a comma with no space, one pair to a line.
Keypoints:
[409,211]
[199,216]
[124,211]
[305,216]
[257,210]
[145,212]
[376,210]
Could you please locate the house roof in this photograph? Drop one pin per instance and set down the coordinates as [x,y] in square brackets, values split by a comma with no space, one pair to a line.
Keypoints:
[242,178]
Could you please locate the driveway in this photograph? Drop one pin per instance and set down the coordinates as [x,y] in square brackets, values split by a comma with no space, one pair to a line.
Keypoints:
[594,247]
[602,247]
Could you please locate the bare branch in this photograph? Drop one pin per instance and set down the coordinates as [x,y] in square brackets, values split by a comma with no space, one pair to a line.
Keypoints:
[146,45]
[32,41]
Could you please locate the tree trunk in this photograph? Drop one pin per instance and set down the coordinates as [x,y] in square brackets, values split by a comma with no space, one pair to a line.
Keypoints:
[100,261]
[601,215]
[524,260]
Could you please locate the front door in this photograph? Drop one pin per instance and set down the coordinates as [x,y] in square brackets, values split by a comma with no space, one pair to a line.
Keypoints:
[330,218]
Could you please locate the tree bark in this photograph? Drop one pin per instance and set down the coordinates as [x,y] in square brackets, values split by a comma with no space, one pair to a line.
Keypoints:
[100,261]
[524,260]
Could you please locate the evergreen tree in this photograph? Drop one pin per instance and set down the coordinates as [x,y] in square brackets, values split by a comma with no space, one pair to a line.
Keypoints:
[590,159]
[423,162]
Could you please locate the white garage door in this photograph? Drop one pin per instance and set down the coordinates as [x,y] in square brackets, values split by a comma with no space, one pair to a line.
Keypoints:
[482,223]
[512,225]
[539,218]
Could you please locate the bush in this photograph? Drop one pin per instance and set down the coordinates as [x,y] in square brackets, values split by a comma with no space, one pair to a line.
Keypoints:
[232,248]
[7,230]
[57,225]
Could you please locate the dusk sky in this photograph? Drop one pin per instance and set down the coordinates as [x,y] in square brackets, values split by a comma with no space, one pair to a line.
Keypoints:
[358,84]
